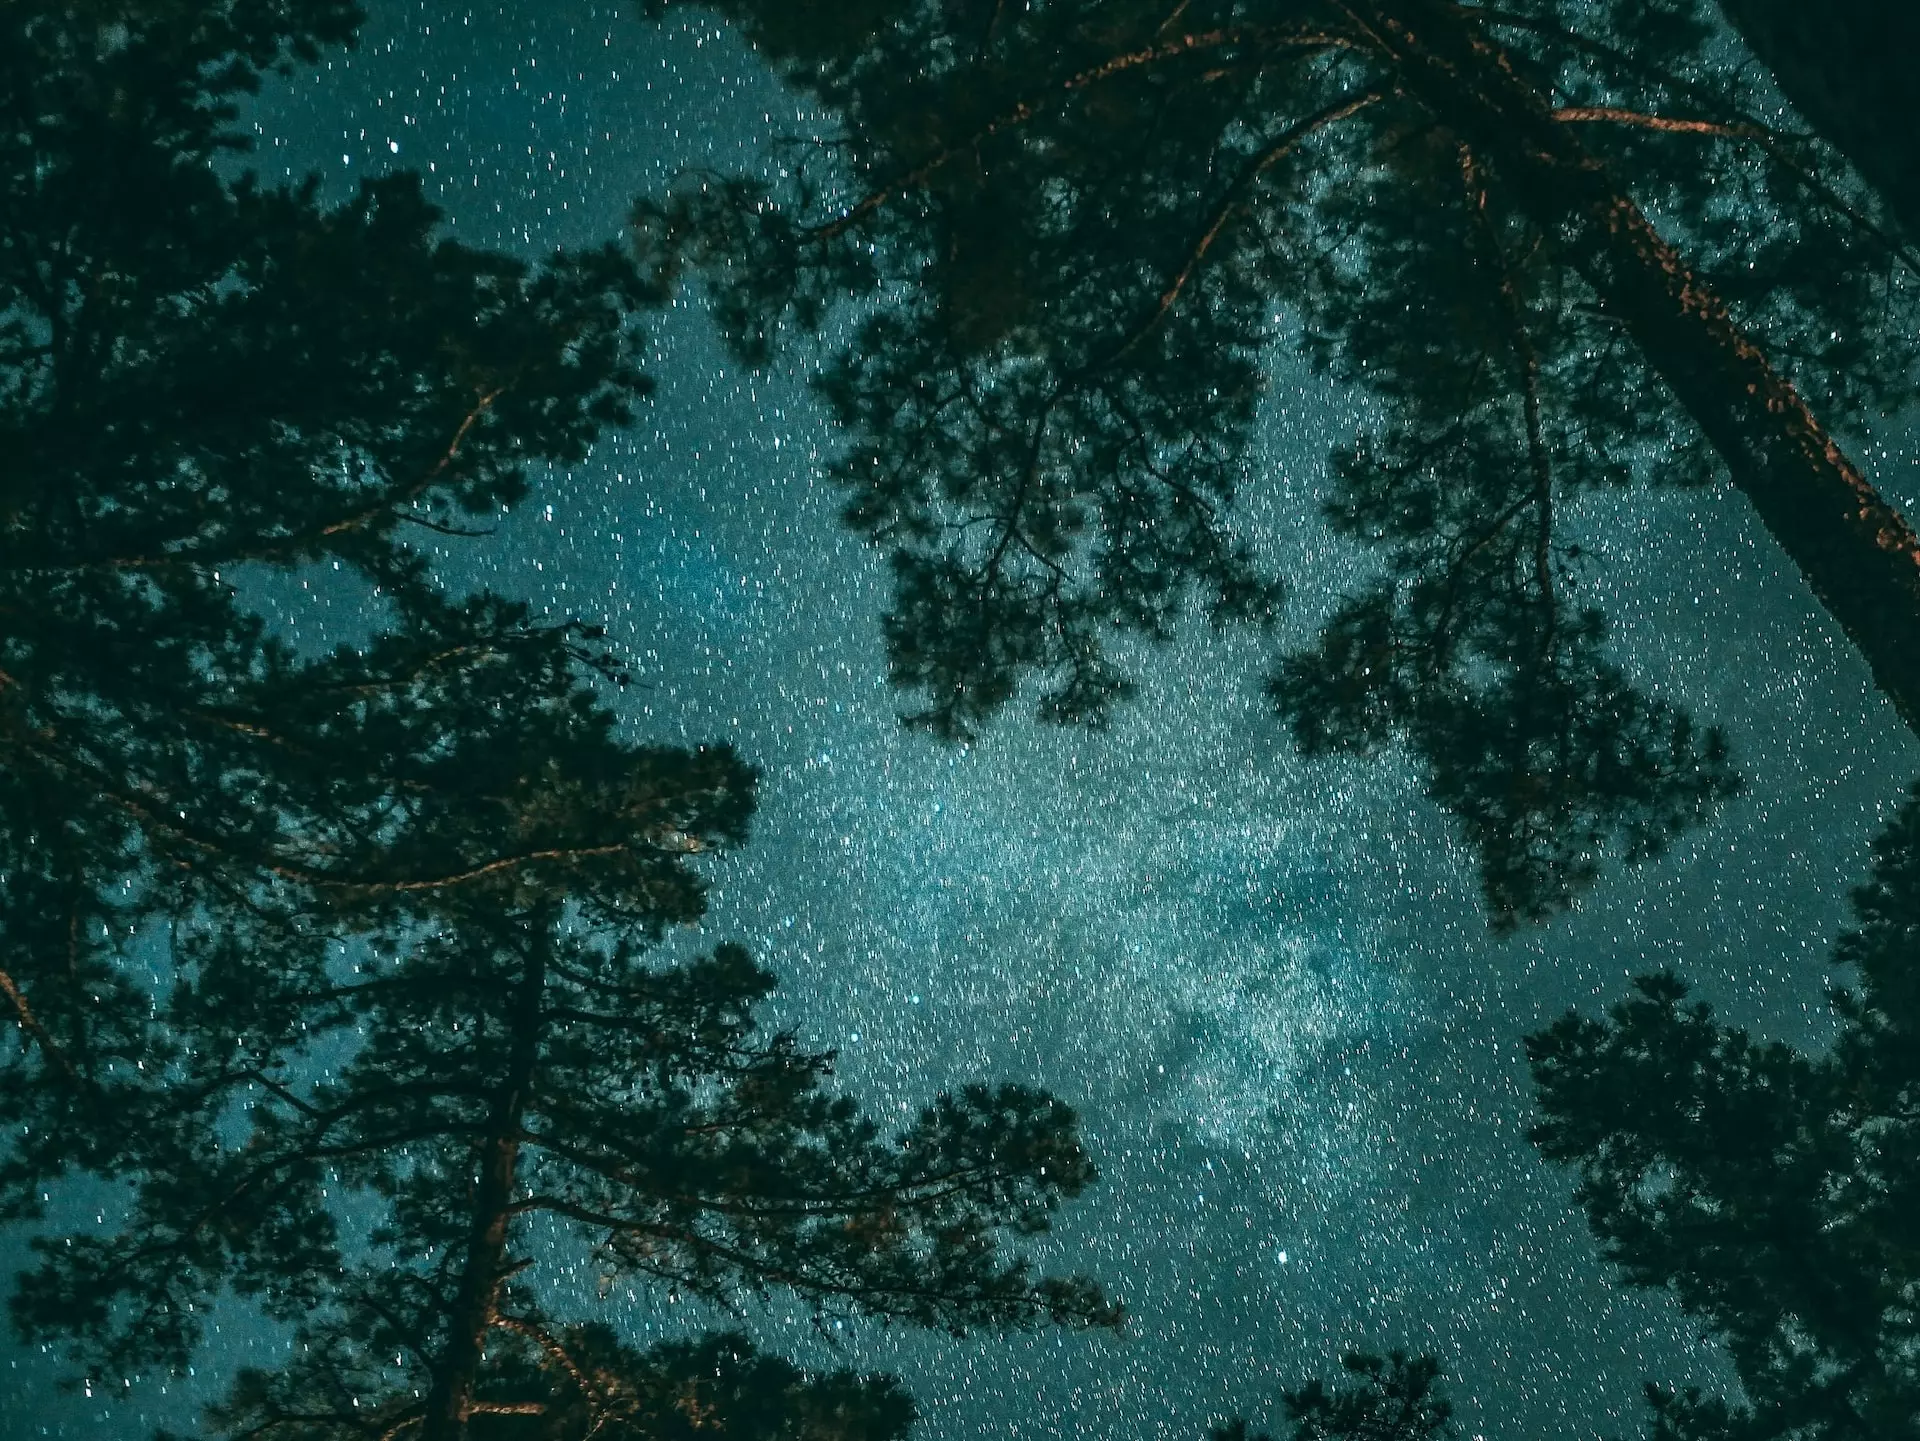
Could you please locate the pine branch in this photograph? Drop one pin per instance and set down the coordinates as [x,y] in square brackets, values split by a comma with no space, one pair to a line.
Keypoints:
[1026,110]
[1284,145]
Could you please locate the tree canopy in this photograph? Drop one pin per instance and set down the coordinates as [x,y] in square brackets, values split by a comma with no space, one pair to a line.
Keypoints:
[401,897]
[199,374]
[1772,1191]
[1387,1398]
[519,1092]
[1843,68]
[1066,236]
[344,974]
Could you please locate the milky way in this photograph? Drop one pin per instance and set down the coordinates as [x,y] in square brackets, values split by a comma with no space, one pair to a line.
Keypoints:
[1266,984]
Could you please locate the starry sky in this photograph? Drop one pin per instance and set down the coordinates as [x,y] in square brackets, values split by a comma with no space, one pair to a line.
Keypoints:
[1266,984]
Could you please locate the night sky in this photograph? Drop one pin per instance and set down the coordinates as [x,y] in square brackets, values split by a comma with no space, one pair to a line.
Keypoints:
[1266,984]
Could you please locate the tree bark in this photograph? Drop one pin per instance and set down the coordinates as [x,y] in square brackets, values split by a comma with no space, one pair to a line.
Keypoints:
[1857,552]
[450,1401]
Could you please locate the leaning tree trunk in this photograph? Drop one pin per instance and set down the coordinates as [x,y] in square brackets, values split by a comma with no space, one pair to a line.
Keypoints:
[450,1401]
[1856,551]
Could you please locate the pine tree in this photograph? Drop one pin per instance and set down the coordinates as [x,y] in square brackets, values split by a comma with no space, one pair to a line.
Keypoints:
[511,1062]
[1391,1398]
[1069,235]
[574,1382]
[200,373]
[405,888]
[1773,1192]
[509,1075]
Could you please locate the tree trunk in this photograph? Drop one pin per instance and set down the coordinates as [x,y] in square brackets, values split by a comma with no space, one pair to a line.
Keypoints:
[451,1399]
[1856,551]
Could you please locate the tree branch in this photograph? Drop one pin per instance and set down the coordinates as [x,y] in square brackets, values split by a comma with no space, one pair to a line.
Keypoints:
[31,1026]
[1288,141]
[1617,115]
[1026,110]
[1527,358]
[596,1398]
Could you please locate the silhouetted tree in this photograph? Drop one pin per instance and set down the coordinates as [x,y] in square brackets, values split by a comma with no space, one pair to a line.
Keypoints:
[199,373]
[404,889]
[522,1075]
[1070,234]
[455,762]
[511,1062]
[1390,1398]
[1772,1191]
[570,1383]
[1846,68]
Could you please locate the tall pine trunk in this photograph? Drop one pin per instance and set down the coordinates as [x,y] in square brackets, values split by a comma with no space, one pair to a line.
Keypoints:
[475,1303]
[1856,551]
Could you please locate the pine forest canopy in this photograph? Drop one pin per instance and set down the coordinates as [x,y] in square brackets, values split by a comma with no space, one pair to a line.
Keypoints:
[512,1073]
[199,374]
[1772,1191]
[1554,244]
[434,855]
[415,1054]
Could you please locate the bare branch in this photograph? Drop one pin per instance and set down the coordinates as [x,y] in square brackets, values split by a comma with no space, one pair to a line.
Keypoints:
[1617,115]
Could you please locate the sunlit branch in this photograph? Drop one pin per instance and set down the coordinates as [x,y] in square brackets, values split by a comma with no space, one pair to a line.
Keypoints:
[413,1418]
[668,842]
[1744,127]
[426,482]
[1671,124]
[548,1343]
[285,547]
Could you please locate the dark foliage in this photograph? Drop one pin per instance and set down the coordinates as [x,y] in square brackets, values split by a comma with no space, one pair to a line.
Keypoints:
[1773,1192]
[570,1383]
[199,373]
[1388,1398]
[1846,67]
[520,1089]
[1066,236]
[403,1043]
